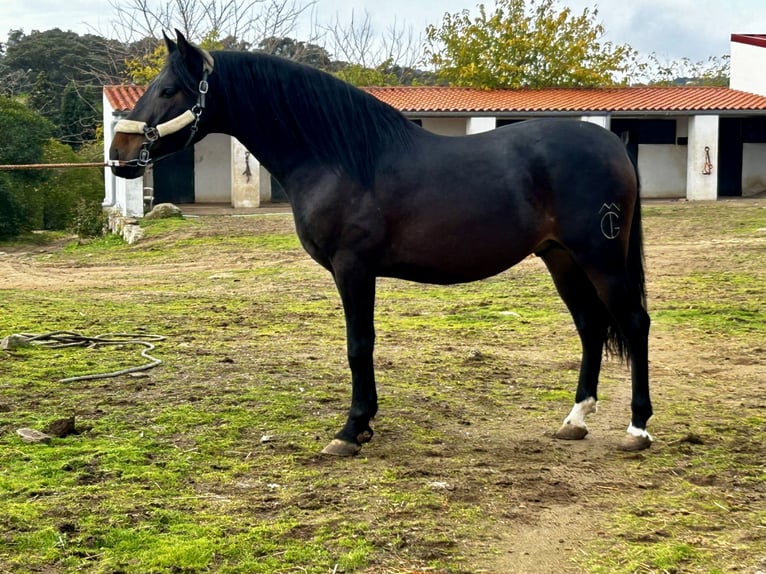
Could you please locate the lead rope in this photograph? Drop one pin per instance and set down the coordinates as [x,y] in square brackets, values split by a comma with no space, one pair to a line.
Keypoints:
[60,339]
[708,167]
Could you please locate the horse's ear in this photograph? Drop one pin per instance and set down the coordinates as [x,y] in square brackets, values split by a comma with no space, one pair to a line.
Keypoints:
[169,44]
[194,56]
[188,51]
[181,39]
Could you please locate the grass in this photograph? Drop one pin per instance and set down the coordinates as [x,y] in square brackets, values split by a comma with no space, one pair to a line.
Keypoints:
[210,463]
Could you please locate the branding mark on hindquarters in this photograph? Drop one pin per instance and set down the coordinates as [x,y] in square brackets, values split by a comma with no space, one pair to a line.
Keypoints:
[610,220]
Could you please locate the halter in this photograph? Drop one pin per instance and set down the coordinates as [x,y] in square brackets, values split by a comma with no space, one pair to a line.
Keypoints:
[153,133]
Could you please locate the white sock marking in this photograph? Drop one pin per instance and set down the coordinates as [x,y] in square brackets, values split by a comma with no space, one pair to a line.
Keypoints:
[640,433]
[579,411]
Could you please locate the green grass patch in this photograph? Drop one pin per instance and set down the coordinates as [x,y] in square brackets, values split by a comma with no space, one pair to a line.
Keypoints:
[210,463]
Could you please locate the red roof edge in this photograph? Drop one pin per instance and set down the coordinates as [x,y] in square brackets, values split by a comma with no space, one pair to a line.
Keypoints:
[751,39]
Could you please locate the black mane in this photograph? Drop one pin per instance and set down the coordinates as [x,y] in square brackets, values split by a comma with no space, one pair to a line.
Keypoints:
[333,122]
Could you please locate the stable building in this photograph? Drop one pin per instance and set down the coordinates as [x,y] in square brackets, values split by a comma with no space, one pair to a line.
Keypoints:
[692,142]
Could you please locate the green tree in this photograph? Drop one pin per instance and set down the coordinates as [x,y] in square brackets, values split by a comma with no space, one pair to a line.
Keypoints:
[76,113]
[25,134]
[150,55]
[525,44]
[42,98]
[653,71]
[57,65]
[41,199]
[303,52]
[358,75]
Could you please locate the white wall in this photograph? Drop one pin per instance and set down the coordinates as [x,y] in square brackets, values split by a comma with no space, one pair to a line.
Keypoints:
[747,65]
[445,126]
[662,169]
[479,124]
[212,169]
[264,185]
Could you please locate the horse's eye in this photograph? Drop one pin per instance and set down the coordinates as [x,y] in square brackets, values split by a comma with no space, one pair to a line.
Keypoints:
[168,92]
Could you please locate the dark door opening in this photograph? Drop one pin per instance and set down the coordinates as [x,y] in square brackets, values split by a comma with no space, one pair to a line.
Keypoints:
[729,157]
[174,178]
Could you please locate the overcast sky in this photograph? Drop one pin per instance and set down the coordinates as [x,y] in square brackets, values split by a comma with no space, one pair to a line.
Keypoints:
[673,29]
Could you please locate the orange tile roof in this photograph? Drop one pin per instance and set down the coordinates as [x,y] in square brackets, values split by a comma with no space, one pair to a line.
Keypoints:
[123,98]
[638,99]
[435,99]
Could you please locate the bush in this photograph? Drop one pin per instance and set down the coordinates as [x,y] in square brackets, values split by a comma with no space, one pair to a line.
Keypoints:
[10,212]
[88,218]
[66,188]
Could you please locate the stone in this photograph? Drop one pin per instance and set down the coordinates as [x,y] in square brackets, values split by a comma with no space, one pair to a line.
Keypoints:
[14,342]
[61,427]
[163,211]
[132,233]
[33,436]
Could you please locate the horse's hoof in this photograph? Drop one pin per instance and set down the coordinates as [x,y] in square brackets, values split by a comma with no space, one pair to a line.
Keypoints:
[632,443]
[364,436]
[341,448]
[571,432]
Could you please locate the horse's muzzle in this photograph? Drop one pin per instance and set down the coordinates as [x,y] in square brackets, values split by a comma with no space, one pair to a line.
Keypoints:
[125,148]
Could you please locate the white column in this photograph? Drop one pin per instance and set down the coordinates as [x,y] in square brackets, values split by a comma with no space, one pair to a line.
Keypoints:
[245,177]
[125,195]
[703,133]
[129,196]
[109,178]
[477,125]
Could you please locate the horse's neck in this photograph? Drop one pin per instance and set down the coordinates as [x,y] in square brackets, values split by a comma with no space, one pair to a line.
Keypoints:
[319,124]
[269,149]
[247,119]
[276,158]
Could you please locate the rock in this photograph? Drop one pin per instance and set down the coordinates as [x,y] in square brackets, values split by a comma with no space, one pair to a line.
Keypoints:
[163,211]
[33,436]
[61,427]
[14,342]
[132,233]
[127,227]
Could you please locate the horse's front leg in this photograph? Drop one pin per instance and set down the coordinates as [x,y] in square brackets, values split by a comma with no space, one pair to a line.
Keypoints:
[357,291]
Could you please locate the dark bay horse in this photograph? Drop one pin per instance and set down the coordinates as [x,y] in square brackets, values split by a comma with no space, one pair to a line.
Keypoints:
[374,195]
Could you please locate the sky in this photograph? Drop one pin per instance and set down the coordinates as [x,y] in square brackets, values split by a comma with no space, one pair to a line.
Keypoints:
[673,29]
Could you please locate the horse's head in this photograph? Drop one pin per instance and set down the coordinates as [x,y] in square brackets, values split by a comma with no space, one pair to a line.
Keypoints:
[167,117]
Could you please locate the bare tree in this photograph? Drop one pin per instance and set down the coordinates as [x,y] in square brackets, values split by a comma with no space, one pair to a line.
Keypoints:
[248,22]
[395,50]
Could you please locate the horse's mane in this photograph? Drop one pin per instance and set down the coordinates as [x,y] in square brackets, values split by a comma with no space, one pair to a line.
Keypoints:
[335,123]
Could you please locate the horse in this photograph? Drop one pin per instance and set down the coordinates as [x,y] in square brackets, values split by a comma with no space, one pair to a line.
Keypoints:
[375,195]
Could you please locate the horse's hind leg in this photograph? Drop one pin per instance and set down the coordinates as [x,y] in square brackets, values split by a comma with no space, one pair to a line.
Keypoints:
[629,334]
[591,319]
[632,322]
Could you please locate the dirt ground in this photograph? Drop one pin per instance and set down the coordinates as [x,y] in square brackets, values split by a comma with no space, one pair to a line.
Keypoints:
[543,496]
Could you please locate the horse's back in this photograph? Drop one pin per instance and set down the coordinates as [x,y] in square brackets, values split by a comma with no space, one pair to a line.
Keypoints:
[463,208]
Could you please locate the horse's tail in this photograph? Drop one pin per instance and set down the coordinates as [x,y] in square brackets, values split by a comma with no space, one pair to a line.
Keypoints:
[616,343]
